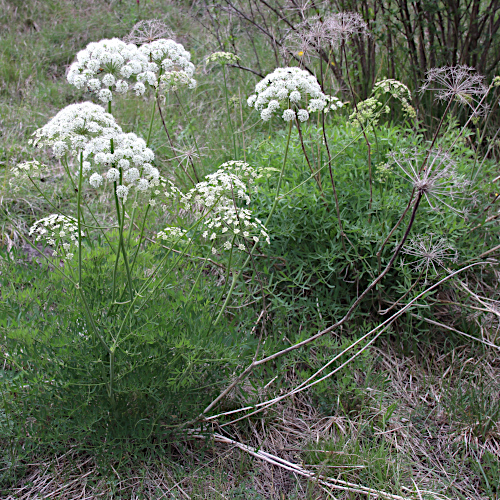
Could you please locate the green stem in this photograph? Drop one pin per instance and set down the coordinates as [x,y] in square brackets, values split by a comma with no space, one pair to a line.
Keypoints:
[228,112]
[117,205]
[79,212]
[137,249]
[197,278]
[132,218]
[111,374]
[227,274]
[121,245]
[273,208]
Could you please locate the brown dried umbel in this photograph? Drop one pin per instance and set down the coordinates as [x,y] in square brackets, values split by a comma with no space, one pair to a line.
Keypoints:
[459,83]
[433,174]
[148,31]
[430,251]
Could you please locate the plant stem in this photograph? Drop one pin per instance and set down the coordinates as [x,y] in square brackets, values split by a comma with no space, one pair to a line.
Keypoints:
[317,175]
[227,274]
[197,278]
[337,207]
[79,212]
[229,113]
[368,145]
[273,208]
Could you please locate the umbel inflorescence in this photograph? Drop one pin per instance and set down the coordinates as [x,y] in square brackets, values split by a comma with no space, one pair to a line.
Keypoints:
[217,200]
[293,90]
[74,126]
[113,66]
[57,231]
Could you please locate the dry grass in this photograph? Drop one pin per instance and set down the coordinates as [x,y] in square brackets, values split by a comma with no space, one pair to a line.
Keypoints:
[433,446]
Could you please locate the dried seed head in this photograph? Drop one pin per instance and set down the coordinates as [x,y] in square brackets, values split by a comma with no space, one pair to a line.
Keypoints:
[303,6]
[148,31]
[345,25]
[461,83]
[430,251]
[433,174]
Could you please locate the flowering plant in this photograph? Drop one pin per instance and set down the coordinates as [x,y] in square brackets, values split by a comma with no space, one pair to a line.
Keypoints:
[288,89]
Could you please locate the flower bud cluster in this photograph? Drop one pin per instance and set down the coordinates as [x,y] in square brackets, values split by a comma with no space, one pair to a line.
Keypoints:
[398,91]
[74,126]
[284,88]
[57,231]
[223,58]
[24,171]
[113,66]
[368,112]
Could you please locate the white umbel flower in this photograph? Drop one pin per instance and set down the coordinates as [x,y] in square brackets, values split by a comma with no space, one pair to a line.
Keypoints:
[175,79]
[286,86]
[122,192]
[24,171]
[95,180]
[101,64]
[173,235]
[129,161]
[74,126]
[167,55]
[57,231]
[288,115]
[302,115]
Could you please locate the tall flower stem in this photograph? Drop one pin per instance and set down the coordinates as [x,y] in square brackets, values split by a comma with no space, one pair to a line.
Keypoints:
[192,135]
[273,208]
[227,274]
[368,145]
[337,207]
[317,174]
[80,284]
[228,112]
[79,212]
[132,217]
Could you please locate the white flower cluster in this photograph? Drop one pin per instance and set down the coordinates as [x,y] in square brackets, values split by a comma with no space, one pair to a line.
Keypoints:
[100,67]
[166,56]
[243,171]
[74,126]
[57,230]
[217,191]
[237,224]
[218,196]
[173,235]
[333,103]
[223,58]
[24,171]
[110,65]
[128,164]
[173,80]
[286,87]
